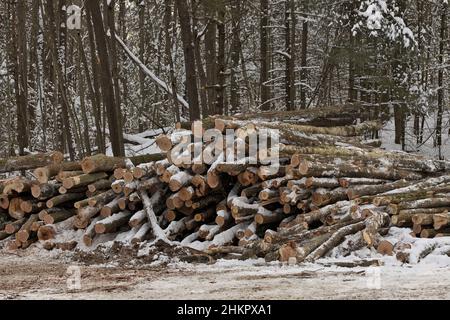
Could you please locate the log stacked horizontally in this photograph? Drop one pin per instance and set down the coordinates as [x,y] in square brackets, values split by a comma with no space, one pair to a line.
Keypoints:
[332,183]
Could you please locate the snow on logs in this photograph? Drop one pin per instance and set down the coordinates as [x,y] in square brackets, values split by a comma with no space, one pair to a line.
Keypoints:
[331,184]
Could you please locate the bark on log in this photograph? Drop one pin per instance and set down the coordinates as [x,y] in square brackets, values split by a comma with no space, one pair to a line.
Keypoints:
[90,233]
[403,220]
[179,180]
[311,169]
[102,184]
[334,240]
[420,204]
[24,232]
[83,180]
[102,198]
[31,161]
[44,174]
[55,215]
[369,190]
[113,222]
[322,197]
[45,191]
[102,163]
[301,251]
[137,218]
[67,174]
[14,226]
[352,182]
[441,220]
[87,213]
[111,207]
[143,170]
[422,219]
[142,234]
[264,216]
[227,236]
[64,198]
[374,223]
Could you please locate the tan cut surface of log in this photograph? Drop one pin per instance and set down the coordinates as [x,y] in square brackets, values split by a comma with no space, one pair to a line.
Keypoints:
[13,227]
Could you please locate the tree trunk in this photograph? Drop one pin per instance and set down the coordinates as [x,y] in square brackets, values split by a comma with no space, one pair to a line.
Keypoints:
[168,24]
[189,59]
[21,70]
[235,53]
[220,88]
[304,61]
[108,94]
[443,39]
[264,55]
[290,22]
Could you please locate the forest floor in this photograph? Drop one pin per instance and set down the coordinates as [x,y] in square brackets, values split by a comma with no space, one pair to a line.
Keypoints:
[30,276]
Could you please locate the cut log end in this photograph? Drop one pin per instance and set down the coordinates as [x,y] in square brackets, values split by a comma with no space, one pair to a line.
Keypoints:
[46,233]
[106,212]
[164,143]
[385,248]
[88,240]
[22,235]
[88,165]
[100,228]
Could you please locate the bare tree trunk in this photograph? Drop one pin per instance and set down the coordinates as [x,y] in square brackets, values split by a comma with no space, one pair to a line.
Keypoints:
[142,57]
[59,57]
[211,62]
[21,69]
[304,63]
[111,41]
[220,88]
[189,59]
[290,22]
[82,93]
[443,39]
[201,71]
[108,95]
[96,95]
[168,25]
[235,50]
[264,54]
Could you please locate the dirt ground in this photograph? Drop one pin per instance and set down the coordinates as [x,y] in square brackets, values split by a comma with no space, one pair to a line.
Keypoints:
[34,277]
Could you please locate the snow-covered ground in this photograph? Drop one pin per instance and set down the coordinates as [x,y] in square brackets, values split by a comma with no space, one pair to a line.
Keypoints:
[365,274]
[33,277]
[427,148]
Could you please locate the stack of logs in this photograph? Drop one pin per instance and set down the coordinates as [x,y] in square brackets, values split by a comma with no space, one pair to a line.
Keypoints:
[332,182]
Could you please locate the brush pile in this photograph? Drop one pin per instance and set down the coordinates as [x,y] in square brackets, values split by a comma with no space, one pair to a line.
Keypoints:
[332,182]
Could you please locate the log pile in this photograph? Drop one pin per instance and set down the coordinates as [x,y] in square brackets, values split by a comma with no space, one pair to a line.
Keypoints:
[332,182]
